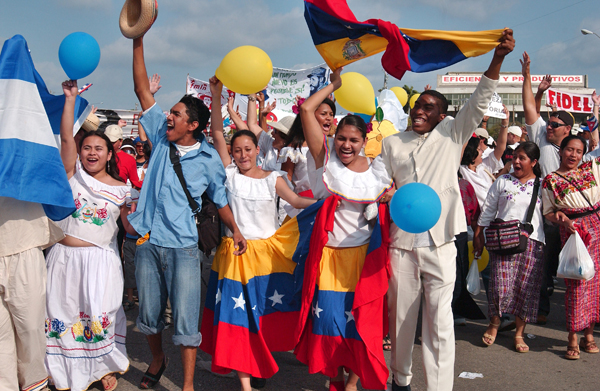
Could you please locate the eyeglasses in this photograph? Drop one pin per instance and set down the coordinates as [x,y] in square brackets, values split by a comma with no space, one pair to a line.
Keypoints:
[555,125]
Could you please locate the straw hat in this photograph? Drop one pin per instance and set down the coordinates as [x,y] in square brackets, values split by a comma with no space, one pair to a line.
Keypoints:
[137,16]
[91,123]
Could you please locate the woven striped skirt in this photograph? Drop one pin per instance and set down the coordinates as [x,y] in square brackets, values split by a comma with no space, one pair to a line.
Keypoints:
[515,282]
[582,298]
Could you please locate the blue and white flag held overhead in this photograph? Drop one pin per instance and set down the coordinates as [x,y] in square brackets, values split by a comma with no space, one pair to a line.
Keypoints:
[30,165]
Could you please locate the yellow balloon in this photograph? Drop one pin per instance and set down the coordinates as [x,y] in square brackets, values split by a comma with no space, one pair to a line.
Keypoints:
[245,70]
[400,94]
[413,99]
[356,94]
[482,261]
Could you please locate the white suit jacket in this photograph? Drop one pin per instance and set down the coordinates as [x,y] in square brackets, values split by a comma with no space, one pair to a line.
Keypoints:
[433,159]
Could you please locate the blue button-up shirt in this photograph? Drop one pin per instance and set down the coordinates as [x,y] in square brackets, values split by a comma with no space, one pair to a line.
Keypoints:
[163,209]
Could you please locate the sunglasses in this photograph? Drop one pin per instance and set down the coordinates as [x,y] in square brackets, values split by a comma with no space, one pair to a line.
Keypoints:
[555,125]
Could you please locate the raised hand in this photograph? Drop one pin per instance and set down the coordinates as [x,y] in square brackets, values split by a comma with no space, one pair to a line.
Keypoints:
[154,83]
[507,43]
[268,108]
[427,87]
[216,86]
[595,98]
[70,88]
[335,78]
[525,64]
[545,83]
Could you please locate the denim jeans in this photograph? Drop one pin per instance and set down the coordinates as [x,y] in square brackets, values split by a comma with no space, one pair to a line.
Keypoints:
[173,273]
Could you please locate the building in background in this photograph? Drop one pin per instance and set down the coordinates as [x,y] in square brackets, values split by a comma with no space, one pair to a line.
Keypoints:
[458,87]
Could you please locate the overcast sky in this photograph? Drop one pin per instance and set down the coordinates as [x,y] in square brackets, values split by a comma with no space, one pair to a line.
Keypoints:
[192,36]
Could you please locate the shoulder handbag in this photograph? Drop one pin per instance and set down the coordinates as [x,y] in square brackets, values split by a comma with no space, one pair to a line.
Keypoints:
[510,237]
[207,216]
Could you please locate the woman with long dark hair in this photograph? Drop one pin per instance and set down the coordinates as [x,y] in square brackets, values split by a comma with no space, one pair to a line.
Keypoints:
[572,200]
[515,280]
[86,324]
[296,150]
[341,328]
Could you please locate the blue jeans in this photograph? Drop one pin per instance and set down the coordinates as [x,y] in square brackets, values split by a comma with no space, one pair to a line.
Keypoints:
[174,273]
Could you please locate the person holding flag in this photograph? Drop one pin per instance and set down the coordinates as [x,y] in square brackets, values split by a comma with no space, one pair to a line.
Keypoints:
[423,265]
[342,315]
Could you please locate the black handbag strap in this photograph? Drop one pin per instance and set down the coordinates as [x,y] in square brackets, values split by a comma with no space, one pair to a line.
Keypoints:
[536,189]
[173,154]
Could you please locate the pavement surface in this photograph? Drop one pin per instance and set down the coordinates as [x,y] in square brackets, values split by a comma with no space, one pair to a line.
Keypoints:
[544,368]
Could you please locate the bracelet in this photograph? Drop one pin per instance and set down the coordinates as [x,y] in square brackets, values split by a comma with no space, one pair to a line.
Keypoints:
[483,122]
[251,98]
[503,126]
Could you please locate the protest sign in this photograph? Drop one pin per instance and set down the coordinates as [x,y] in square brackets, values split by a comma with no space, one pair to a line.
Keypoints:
[575,103]
[285,85]
[201,90]
[495,108]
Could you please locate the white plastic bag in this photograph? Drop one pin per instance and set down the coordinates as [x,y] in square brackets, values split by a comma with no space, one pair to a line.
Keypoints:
[574,261]
[473,278]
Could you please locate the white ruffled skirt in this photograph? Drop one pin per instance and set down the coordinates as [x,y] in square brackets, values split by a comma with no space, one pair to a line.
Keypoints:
[85,321]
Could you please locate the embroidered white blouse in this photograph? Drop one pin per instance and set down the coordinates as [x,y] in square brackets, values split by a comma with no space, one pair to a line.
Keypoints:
[98,207]
[508,199]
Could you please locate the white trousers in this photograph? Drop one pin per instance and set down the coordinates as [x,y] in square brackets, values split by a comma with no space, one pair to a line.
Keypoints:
[424,274]
[22,315]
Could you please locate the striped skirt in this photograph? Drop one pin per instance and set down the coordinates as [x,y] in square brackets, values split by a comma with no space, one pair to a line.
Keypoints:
[515,282]
[582,298]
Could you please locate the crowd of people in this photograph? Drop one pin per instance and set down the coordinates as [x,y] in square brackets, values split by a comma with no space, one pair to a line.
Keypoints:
[308,242]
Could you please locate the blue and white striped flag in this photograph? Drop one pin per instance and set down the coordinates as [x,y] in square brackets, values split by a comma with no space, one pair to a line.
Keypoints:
[30,165]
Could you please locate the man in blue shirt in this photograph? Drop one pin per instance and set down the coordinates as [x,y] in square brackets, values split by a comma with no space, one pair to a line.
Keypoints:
[168,262]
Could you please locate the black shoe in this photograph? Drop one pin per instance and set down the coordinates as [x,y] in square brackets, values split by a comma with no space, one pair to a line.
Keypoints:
[396,387]
[257,382]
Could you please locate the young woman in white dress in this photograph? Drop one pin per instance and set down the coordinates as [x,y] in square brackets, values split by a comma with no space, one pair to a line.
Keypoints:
[252,194]
[86,325]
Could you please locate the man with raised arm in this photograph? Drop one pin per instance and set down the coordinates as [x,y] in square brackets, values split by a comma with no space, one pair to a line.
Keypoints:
[167,258]
[423,265]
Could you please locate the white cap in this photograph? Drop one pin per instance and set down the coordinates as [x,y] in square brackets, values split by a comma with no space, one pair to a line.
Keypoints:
[515,130]
[114,133]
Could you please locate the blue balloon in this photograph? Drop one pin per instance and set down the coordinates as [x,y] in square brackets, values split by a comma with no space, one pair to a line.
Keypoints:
[79,55]
[415,208]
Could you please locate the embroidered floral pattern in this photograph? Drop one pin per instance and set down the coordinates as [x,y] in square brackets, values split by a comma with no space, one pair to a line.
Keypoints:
[54,328]
[582,178]
[90,213]
[510,193]
[90,330]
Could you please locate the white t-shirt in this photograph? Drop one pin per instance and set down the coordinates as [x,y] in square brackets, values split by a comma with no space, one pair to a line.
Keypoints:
[549,158]
[183,149]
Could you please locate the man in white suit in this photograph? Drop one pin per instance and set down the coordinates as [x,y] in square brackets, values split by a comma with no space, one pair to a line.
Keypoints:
[424,264]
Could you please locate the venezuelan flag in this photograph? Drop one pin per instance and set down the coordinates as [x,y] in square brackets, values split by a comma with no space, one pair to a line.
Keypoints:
[344,307]
[253,301]
[341,40]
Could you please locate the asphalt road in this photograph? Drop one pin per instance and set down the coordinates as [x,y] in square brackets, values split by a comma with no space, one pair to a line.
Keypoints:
[543,368]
